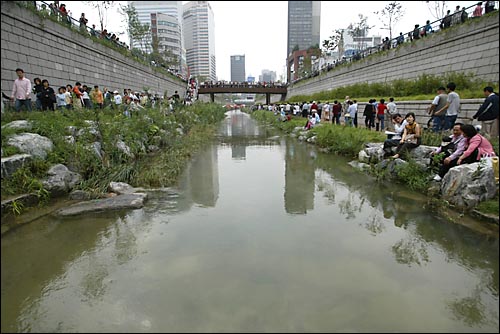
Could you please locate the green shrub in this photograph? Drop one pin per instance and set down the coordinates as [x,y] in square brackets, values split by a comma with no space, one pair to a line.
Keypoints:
[414,176]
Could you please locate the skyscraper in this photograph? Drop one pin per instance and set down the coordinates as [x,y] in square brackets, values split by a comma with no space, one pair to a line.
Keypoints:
[238,68]
[144,10]
[199,39]
[304,18]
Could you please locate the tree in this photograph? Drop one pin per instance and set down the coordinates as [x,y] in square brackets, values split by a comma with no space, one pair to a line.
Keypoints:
[359,30]
[392,14]
[102,9]
[437,9]
[137,31]
[335,41]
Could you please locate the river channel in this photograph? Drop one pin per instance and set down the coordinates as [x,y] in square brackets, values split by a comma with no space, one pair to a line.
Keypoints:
[262,234]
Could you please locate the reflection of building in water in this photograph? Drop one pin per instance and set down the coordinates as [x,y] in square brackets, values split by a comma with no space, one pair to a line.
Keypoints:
[299,179]
[200,182]
[238,151]
[204,177]
[239,125]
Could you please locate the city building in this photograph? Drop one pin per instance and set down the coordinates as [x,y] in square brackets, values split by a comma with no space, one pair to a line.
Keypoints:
[267,76]
[199,39]
[166,30]
[238,68]
[354,44]
[304,18]
[250,78]
[300,63]
[172,29]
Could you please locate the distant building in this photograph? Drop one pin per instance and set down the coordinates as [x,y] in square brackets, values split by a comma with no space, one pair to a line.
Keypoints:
[300,63]
[144,10]
[167,30]
[199,39]
[304,19]
[250,79]
[238,68]
[353,44]
[267,76]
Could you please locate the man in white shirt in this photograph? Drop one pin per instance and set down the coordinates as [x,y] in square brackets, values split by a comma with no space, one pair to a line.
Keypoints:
[118,98]
[452,107]
[21,91]
[391,107]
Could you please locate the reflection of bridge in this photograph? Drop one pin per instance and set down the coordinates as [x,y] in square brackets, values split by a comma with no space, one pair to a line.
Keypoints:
[227,89]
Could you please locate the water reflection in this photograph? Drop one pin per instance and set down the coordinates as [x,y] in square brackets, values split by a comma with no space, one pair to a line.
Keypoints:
[299,178]
[286,239]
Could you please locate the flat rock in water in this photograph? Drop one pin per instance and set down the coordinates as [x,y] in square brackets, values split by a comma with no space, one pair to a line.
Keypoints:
[120,202]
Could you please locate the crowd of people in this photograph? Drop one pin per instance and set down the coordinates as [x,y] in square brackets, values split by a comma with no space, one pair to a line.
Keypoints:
[80,96]
[464,145]
[61,13]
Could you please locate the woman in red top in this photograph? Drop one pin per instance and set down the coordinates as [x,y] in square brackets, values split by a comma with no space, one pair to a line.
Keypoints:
[381,108]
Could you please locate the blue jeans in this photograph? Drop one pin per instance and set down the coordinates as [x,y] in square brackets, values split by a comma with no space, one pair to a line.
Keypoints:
[449,121]
[20,103]
[381,120]
[438,123]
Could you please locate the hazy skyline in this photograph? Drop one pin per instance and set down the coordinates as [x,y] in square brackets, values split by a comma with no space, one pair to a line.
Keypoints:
[258,29]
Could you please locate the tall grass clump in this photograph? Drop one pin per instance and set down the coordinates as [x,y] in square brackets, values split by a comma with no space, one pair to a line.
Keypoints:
[344,140]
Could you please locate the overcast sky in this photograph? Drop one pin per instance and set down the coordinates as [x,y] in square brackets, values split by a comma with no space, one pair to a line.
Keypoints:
[258,29]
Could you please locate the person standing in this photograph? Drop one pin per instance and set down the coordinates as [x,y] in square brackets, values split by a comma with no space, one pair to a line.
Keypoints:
[369,115]
[337,112]
[97,97]
[392,109]
[381,109]
[37,90]
[478,11]
[452,107]
[438,104]
[488,113]
[489,6]
[61,98]
[48,96]
[21,91]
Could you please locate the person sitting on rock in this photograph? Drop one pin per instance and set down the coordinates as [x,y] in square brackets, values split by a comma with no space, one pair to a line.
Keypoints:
[448,154]
[477,146]
[399,127]
[411,136]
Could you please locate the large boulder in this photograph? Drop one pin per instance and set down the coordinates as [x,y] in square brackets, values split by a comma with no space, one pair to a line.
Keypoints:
[31,143]
[21,124]
[121,188]
[61,180]
[120,202]
[13,163]
[467,185]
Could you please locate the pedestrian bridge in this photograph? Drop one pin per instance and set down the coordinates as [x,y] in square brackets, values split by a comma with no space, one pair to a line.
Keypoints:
[268,90]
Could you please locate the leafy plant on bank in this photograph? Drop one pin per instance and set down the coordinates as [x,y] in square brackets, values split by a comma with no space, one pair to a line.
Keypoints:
[413,175]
